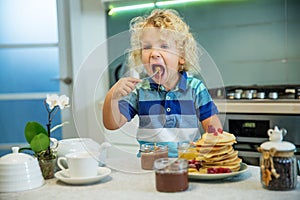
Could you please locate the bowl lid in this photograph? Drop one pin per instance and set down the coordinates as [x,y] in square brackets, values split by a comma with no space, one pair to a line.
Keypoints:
[15,157]
[279,146]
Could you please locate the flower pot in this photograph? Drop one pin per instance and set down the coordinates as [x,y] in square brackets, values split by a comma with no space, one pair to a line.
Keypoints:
[48,167]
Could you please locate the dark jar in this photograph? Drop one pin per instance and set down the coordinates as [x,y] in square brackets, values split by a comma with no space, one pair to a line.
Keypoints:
[278,163]
[283,174]
[171,175]
[150,152]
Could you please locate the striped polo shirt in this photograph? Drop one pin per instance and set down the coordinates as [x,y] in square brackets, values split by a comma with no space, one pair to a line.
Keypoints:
[169,117]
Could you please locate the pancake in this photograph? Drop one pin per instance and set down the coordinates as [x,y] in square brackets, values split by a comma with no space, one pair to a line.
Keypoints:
[214,150]
[203,143]
[234,154]
[211,148]
[207,154]
[216,139]
[232,161]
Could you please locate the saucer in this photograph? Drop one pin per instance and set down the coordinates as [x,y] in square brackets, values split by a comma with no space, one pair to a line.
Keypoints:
[63,176]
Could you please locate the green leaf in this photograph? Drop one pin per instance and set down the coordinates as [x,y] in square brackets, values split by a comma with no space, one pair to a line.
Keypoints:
[32,129]
[40,142]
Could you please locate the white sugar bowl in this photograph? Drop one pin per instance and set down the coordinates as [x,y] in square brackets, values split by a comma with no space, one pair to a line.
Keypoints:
[71,145]
[19,172]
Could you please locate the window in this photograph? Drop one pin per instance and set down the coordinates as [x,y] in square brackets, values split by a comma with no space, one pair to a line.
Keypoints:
[29,64]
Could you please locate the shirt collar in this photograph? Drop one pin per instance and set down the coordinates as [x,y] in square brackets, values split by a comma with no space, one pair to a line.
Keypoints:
[180,85]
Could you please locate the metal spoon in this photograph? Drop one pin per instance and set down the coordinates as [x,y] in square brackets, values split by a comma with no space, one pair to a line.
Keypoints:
[139,84]
[151,75]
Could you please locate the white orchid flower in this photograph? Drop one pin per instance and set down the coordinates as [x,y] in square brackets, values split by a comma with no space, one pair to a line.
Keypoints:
[63,101]
[52,100]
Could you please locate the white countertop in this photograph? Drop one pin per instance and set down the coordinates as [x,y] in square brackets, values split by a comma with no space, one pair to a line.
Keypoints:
[141,186]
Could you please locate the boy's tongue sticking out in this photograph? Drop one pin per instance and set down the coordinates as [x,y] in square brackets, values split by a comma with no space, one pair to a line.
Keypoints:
[158,70]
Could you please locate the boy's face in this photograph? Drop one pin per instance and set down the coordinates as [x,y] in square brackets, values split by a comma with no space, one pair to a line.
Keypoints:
[159,51]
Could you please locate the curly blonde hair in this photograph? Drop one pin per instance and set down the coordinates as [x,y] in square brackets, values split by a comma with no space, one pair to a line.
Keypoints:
[167,20]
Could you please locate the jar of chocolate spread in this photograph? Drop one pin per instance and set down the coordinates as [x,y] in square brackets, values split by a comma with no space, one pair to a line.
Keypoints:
[171,174]
[277,162]
[150,152]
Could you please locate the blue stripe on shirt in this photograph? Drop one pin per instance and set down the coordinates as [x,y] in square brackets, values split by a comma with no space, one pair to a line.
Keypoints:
[180,107]
[207,110]
[127,110]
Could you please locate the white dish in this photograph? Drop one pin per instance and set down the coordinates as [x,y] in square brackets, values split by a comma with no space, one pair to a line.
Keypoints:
[19,186]
[63,176]
[19,172]
[220,176]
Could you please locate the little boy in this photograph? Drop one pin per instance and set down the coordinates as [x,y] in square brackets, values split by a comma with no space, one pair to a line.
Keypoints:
[170,103]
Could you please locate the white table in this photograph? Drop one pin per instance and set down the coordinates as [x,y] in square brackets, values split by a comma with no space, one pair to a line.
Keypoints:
[141,186]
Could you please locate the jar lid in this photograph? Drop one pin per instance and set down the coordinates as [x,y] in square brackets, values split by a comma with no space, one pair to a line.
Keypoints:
[276,137]
[152,147]
[15,157]
[171,164]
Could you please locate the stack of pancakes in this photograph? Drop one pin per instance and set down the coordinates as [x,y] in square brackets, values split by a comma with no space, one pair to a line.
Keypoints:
[214,150]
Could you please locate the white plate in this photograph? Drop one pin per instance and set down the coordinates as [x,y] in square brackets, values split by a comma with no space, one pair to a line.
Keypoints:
[63,176]
[198,176]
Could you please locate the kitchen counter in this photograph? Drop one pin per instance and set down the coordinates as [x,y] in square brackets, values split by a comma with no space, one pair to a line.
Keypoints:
[121,185]
[259,106]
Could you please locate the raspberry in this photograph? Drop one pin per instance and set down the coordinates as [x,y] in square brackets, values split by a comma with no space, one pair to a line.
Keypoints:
[216,133]
[227,170]
[220,130]
[194,164]
[212,170]
[218,170]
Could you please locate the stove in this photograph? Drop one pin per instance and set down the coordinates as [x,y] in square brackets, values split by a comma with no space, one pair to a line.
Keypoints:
[257,92]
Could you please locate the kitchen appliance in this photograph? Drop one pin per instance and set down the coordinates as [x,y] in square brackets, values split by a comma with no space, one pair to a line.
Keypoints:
[251,126]
[251,130]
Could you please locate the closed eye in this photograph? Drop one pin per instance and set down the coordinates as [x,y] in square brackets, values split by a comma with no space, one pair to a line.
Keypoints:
[164,46]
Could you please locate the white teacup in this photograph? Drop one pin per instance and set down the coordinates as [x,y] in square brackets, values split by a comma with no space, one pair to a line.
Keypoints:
[80,164]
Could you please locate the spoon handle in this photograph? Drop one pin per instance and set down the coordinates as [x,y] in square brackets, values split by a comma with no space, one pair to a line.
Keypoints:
[140,83]
[151,75]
